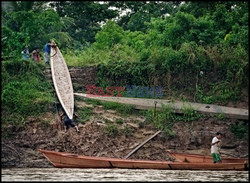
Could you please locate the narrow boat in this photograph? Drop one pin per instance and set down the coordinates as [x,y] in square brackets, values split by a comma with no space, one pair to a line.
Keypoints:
[62,81]
[198,158]
[67,160]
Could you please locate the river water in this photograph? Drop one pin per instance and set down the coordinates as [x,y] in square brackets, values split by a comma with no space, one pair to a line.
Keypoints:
[67,174]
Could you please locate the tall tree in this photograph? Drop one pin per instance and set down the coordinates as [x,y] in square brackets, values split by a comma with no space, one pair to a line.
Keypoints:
[87,15]
[29,28]
[9,6]
[139,12]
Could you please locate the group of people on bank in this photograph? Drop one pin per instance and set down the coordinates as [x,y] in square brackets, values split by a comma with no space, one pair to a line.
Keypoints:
[35,54]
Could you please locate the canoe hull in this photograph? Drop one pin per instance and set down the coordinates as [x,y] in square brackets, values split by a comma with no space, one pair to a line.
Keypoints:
[62,81]
[208,166]
[196,158]
[66,160]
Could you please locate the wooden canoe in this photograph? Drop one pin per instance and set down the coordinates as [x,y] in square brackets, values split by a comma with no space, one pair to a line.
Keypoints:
[177,106]
[197,158]
[62,81]
[67,160]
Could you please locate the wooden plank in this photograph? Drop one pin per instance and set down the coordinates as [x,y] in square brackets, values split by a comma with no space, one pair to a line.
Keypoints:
[138,147]
[177,106]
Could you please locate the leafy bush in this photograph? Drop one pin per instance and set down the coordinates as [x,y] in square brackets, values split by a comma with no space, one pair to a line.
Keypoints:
[147,48]
[240,130]
[25,97]
[25,90]
[110,35]
[31,29]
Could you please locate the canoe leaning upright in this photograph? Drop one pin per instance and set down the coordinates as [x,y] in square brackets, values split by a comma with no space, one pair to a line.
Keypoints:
[62,81]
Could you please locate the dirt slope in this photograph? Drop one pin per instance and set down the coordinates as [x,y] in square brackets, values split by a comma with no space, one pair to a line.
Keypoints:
[19,146]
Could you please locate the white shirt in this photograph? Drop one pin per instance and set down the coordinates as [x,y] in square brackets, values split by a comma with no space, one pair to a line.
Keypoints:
[216,147]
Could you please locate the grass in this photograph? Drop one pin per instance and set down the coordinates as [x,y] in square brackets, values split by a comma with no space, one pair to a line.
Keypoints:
[220,116]
[25,91]
[111,129]
[189,114]
[119,121]
[220,92]
[94,102]
[127,131]
[165,118]
[121,108]
[75,60]
[240,130]
[84,114]
[88,57]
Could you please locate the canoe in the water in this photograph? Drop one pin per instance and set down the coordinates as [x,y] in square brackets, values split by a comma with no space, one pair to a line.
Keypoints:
[197,158]
[67,160]
[62,81]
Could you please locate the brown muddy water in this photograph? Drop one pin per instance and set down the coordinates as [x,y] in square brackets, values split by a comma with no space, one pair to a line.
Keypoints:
[67,174]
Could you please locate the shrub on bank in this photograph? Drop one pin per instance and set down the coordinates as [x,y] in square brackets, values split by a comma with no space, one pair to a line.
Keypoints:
[25,90]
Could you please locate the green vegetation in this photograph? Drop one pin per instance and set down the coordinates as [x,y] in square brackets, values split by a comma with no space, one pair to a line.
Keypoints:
[155,44]
[196,49]
[220,116]
[121,108]
[111,129]
[127,131]
[189,114]
[240,129]
[84,114]
[167,132]
[158,63]
[93,102]
[119,121]
[165,118]
[25,91]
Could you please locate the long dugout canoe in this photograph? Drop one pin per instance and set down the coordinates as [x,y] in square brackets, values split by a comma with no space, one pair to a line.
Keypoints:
[67,160]
[62,81]
[177,106]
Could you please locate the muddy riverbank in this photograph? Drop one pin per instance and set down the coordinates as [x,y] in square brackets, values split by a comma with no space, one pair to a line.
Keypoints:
[19,145]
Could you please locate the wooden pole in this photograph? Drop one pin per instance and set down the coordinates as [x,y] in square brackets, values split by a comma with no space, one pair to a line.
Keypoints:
[138,147]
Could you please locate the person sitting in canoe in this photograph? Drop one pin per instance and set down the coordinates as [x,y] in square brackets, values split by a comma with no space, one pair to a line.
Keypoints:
[68,122]
[215,148]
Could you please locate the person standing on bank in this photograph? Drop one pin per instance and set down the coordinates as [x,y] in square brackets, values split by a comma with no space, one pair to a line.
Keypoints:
[215,147]
[35,55]
[47,51]
[25,53]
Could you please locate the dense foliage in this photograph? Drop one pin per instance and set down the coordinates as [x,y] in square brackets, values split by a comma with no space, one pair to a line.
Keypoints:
[196,48]
[203,55]
[25,91]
